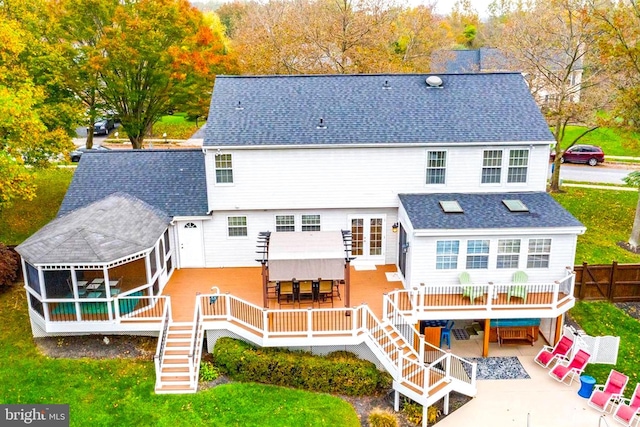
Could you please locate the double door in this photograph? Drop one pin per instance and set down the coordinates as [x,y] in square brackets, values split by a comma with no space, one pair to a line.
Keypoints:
[368,238]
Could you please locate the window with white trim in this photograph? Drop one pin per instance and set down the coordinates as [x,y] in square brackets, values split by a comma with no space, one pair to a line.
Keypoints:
[285,223]
[310,222]
[491,166]
[224,171]
[447,254]
[508,253]
[539,253]
[237,226]
[518,165]
[477,254]
[436,167]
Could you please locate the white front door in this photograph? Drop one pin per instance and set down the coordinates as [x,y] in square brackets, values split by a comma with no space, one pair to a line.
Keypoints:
[191,244]
[368,238]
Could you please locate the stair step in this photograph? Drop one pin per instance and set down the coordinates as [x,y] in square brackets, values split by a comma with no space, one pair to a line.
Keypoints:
[178,336]
[174,379]
[175,369]
[183,356]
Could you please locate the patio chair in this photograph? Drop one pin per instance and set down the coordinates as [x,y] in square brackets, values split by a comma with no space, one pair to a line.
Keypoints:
[326,291]
[550,354]
[285,292]
[604,396]
[627,412]
[471,291]
[306,290]
[519,291]
[569,369]
[445,334]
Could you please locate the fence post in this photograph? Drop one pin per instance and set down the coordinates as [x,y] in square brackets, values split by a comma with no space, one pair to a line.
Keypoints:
[612,280]
[583,281]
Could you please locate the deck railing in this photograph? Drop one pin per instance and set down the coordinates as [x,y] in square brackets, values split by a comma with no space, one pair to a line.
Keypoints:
[429,298]
[269,324]
[162,342]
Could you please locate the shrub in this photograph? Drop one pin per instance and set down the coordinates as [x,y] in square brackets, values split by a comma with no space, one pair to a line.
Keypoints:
[208,372]
[8,265]
[336,373]
[413,412]
[381,418]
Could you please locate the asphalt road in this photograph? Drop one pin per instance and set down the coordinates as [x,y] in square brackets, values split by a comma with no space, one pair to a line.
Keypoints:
[603,173]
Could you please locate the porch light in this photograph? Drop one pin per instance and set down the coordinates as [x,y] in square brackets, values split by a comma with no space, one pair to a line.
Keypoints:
[395,227]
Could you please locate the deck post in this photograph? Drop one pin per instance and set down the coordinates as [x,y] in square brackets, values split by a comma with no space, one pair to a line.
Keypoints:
[558,333]
[396,400]
[265,282]
[485,343]
[445,404]
[425,415]
[347,283]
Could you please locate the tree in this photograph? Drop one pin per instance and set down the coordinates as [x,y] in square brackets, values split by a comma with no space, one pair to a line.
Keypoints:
[620,51]
[150,52]
[554,44]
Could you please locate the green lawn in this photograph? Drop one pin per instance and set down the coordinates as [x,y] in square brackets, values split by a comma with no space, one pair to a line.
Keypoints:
[604,318]
[608,216]
[25,218]
[612,143]
[120,392]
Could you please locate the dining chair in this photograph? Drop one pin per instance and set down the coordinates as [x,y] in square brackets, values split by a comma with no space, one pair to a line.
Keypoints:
[305,290]
[326,291]
[285,291]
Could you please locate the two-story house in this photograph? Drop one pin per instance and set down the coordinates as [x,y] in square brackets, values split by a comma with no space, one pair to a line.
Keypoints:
[437,175]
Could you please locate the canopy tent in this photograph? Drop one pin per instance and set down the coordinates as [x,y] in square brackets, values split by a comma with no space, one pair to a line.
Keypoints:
[307,255]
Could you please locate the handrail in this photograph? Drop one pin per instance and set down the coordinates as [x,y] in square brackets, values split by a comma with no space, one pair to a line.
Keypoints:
[196,339]
[158,357]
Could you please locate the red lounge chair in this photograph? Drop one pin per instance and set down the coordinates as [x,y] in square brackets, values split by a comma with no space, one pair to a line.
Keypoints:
[549,354]
[570,369]
[627,412]
[604,396]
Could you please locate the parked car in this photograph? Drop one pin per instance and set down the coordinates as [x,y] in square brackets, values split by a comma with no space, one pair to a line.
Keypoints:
[77,153]
[103,126]
[589,154]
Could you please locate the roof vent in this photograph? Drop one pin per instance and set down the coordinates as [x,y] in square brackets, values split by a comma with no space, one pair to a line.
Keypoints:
[321,124]
[386,85]
[239,106]
[434,81]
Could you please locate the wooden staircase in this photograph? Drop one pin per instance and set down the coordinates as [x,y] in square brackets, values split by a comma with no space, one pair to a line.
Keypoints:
[176,367]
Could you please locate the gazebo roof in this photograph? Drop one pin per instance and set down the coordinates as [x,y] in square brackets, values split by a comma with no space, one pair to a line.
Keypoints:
[109,229]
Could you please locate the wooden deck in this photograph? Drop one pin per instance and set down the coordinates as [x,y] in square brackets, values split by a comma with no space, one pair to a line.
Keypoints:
[367,286]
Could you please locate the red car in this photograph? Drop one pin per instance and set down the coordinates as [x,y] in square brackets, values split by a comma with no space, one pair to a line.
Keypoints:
[589,154]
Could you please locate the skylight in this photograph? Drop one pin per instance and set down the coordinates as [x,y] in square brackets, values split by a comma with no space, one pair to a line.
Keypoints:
[450,206]
[515,205]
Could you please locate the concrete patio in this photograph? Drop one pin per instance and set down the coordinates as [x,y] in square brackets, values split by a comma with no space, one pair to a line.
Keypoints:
[502,403]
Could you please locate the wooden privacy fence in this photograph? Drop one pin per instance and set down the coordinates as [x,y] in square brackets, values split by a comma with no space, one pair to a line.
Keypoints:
[612,282]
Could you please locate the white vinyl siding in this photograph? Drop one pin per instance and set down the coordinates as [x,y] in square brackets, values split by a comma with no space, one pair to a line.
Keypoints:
[539,253]
[491,166]
[436,167]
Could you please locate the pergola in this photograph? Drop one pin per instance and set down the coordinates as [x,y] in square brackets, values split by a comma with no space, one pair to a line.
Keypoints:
[306,255]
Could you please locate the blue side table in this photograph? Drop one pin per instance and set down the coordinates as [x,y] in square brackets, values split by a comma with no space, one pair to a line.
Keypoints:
[586,386]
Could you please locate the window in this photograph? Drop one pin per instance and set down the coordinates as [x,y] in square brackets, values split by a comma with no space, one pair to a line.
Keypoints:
[285,223]
[310,222]
[447,254]
[237,226]
[539,252]
[477,254]
[508,253]
[224,172]
[491,166]
[436,166]
[518,162]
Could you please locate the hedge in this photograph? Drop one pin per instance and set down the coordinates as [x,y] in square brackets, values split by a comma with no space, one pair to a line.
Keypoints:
[337,373]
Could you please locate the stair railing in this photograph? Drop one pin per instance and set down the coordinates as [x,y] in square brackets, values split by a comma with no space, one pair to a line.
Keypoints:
[162,341]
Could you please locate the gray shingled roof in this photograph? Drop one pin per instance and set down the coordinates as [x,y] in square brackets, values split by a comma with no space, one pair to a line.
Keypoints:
[171,180]
[486,210]
[358,109]
[114,227]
